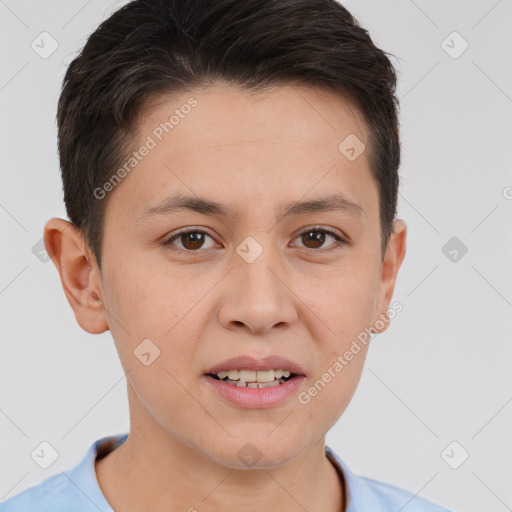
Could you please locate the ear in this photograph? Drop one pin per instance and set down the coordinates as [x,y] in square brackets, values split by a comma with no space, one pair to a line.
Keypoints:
[79,273]
[395,253]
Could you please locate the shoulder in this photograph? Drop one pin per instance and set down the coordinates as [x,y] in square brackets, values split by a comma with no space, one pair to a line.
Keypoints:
[55,493]
[365,494]
[75,490]
[395,498]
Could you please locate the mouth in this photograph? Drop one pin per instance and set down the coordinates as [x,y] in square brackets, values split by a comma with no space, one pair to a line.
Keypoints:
[254,378]
[252,383]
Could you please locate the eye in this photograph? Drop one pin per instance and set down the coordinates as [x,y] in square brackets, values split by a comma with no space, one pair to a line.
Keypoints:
[314,237]
[191,239]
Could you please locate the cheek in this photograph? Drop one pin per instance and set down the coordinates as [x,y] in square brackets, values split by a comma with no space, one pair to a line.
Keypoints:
[331,389]
[139,314]
[342,302]
[148,300]
[343,309]
[161,392]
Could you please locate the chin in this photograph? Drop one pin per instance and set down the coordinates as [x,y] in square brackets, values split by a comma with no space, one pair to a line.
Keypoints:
[246,452]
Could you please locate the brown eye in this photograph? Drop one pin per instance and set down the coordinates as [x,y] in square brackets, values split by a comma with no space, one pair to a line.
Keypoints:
[191,240]
[314,238]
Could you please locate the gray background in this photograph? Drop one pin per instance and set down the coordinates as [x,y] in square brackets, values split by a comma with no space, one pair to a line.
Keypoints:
[441,373]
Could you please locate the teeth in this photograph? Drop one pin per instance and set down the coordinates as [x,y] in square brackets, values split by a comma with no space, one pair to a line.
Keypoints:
[247,375]
[233,375]
[251,376]
[269,384]
[241,384]
[265,375]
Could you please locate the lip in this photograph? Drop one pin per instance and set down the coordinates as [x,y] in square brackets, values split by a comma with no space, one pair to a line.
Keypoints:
[272,362]
[256,398]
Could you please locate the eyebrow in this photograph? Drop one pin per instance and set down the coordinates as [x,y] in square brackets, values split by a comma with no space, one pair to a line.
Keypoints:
[178,202]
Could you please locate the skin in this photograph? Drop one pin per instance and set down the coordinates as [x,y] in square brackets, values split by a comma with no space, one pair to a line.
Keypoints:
[302,300]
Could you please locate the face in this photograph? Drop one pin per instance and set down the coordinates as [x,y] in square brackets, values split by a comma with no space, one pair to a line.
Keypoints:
[237,272]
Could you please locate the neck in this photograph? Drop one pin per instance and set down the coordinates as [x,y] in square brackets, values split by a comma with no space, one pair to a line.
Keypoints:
[153,470]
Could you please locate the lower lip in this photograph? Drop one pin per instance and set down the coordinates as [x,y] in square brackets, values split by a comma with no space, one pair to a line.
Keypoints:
[255,398]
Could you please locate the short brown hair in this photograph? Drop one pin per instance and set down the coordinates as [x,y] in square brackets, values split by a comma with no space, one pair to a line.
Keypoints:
[153,47]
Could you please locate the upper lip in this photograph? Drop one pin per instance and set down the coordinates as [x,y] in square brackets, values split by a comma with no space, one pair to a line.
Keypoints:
[250,363]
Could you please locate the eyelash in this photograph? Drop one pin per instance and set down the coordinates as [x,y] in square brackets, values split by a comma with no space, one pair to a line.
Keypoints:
[316,229]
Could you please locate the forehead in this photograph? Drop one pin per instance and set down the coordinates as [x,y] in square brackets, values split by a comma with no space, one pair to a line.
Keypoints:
[234,114]
[226,142]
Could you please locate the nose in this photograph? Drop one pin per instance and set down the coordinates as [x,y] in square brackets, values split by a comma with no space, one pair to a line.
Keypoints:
[257,297]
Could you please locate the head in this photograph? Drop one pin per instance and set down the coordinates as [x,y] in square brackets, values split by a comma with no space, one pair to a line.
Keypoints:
[218,119]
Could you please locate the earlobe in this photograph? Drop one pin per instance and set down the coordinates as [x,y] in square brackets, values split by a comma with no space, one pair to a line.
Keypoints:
[393,259]
[79,273]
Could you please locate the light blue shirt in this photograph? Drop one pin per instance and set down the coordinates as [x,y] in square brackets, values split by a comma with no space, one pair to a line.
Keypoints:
[77,490]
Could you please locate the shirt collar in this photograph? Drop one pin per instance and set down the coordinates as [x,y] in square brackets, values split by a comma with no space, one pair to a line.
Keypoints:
[360,495]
